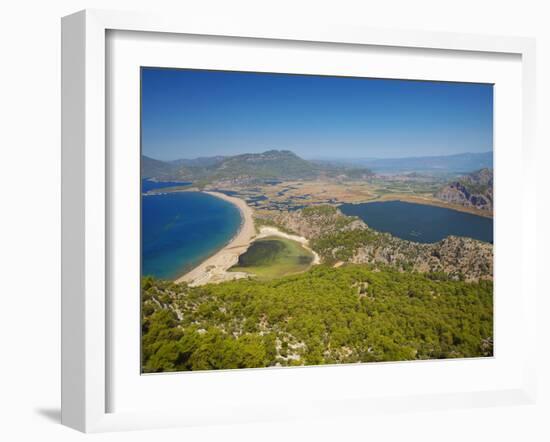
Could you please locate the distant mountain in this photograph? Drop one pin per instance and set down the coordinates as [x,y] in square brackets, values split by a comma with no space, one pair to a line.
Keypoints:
[458,163]
[151,168]
[270,164]
[472,190]
[199,162]
[248,167]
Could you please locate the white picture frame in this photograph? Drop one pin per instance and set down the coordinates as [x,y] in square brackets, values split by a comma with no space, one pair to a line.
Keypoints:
[86,202]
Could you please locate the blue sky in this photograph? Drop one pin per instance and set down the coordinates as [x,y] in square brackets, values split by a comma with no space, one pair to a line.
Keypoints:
[192,113]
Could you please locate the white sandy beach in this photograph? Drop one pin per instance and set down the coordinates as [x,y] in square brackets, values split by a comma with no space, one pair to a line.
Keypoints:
[215,269]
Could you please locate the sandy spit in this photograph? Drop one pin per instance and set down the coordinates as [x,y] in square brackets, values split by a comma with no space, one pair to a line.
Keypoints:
[214,269]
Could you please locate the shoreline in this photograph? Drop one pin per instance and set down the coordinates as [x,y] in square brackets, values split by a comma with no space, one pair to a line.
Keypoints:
[214,268]
[414,199]
[266,231]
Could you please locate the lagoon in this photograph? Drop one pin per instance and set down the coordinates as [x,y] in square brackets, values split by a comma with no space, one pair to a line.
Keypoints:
[421,222]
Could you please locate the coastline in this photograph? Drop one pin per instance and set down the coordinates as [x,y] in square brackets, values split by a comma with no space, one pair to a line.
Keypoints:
[415,199]
[214,269]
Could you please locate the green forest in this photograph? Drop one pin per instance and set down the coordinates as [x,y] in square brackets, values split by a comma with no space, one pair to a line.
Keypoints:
[326,315]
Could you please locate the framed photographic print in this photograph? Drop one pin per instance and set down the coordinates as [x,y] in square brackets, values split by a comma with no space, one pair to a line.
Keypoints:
[280,223]
[257,257]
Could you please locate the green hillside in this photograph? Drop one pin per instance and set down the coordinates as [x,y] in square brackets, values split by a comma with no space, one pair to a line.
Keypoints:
[323,316]
[151,168]
[270,164]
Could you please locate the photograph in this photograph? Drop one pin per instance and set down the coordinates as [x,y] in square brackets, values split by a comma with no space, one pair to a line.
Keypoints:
[295,220]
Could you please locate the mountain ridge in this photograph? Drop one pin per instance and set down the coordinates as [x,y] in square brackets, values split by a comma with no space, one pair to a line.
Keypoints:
[247,167]
[153,168]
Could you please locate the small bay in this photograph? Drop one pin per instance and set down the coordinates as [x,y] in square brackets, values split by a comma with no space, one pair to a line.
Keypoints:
[181,229]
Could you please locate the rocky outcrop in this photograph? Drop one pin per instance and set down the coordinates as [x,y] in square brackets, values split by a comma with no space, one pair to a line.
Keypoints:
[340,238]
[312,222]
[473,190]
[460,258]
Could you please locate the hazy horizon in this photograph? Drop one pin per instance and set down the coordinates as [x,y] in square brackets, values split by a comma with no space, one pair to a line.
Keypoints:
[322,158]
[188,114]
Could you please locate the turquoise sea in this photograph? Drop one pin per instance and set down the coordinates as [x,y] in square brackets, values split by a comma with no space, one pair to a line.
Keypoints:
[181,229]
[420,222]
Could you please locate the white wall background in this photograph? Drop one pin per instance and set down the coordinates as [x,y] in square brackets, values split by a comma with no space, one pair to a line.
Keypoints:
[30,216]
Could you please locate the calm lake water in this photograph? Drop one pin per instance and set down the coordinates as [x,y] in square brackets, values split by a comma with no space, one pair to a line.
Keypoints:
[419,222]
[181,229]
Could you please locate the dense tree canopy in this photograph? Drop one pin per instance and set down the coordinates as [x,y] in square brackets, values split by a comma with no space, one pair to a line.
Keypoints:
[324,316]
